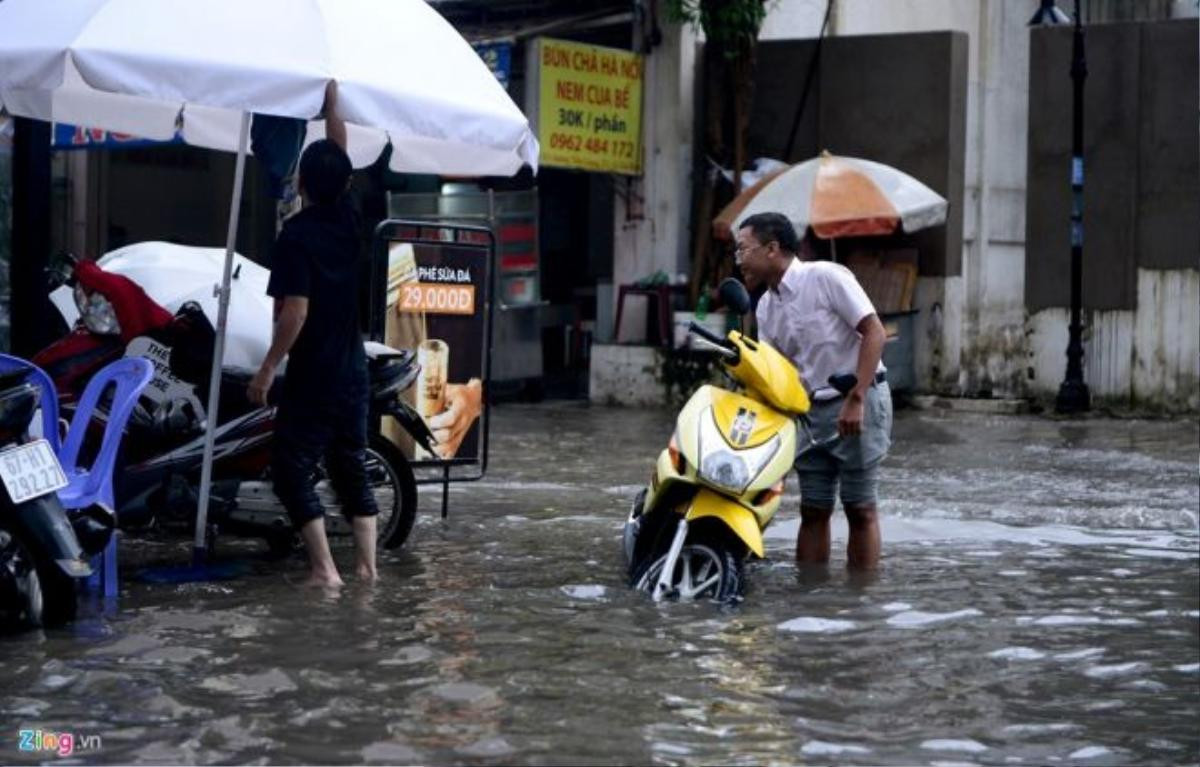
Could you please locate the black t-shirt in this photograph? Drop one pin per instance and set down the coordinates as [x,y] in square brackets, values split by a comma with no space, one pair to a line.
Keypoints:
[317,256]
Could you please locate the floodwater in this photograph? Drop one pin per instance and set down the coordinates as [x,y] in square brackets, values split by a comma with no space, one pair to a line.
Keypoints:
[1038,604]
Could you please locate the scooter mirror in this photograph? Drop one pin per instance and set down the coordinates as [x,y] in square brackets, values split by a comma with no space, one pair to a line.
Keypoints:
[61,271]
[734,295]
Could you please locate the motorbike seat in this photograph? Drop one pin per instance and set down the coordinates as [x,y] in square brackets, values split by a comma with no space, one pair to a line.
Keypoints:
[389,372]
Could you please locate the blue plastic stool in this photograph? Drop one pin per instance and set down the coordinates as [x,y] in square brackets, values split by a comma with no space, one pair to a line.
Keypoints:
[94,484]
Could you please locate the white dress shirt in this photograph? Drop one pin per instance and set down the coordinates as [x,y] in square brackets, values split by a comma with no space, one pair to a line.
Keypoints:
[812,319]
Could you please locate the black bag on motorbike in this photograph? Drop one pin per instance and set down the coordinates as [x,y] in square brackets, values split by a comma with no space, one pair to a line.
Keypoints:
[191,339]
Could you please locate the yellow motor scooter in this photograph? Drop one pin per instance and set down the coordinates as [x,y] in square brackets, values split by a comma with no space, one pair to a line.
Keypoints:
[718,484]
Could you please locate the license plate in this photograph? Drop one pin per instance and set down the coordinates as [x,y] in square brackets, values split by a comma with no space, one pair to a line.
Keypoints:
[31,471]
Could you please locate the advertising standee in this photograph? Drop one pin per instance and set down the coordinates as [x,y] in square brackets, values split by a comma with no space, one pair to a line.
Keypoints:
[436,304]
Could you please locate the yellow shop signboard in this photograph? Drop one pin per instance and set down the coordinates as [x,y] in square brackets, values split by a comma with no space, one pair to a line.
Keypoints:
[589,107]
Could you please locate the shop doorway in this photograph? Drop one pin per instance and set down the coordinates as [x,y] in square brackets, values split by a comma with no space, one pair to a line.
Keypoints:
[576,232]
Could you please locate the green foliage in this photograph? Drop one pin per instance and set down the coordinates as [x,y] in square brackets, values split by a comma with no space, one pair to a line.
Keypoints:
[730,24]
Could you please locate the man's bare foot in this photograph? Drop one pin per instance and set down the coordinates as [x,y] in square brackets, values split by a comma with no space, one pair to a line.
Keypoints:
[325,581]
[366,574]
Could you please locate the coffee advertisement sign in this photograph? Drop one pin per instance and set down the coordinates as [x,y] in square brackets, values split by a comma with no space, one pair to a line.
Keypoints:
[437,301]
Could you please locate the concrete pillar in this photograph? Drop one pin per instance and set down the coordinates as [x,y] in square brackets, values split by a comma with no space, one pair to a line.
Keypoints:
[652,213]
[30,309]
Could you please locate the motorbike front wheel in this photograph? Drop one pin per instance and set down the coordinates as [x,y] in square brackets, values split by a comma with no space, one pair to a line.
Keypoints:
[703,571]
[37,593]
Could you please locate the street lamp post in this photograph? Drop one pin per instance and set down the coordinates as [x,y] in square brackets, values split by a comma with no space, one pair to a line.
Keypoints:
[1073,394]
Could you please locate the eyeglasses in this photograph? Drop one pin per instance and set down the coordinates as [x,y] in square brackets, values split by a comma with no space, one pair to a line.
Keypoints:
[740,253]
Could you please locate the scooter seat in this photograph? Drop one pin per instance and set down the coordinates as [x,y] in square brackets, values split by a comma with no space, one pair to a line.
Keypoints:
[389,370]
[391,373]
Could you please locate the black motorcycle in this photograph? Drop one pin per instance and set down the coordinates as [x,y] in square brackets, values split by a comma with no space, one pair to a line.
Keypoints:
[43,550]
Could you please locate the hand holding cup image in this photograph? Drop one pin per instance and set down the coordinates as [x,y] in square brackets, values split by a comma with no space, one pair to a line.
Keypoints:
[448,409]
[464,402]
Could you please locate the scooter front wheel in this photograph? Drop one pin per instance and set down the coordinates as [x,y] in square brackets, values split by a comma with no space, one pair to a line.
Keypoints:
[42,593]
[702,571]
[21,600]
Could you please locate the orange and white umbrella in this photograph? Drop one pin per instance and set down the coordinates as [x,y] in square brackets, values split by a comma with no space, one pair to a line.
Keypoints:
[838,197]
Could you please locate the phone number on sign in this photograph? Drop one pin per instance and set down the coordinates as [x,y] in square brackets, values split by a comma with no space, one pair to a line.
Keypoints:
[592,145]
[437,299]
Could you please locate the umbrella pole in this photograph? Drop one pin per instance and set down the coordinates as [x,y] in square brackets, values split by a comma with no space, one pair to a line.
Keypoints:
[199,547]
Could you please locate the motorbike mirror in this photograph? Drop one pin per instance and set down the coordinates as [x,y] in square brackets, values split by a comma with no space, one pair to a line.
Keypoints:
[734,295]
[61,270]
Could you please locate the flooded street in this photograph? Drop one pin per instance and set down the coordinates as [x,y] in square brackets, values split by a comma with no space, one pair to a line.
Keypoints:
[1038,603]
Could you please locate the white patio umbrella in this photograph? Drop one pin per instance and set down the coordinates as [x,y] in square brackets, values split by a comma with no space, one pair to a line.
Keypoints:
[151,68]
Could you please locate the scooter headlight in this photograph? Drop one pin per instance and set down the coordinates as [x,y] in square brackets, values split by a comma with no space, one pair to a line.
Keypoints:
[96,312]
[733,470]
[725,469]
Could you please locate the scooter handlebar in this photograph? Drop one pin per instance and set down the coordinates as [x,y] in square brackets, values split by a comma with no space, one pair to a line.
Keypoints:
[707,334]
[707,340]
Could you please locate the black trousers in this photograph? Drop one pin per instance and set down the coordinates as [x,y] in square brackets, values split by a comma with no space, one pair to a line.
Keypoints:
[309,428]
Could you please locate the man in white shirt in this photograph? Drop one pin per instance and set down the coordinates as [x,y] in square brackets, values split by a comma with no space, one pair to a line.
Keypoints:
[816,314]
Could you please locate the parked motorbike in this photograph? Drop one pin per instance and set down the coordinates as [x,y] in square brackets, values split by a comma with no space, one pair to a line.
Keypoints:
[718,484]
[158,480]
[43,550]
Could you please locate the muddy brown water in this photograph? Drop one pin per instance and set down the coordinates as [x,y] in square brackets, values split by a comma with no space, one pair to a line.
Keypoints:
[1038,604]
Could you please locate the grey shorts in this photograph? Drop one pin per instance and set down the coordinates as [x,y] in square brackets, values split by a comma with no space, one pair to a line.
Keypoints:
[851,464]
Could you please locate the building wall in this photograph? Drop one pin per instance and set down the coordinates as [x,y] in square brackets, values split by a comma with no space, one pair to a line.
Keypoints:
[896,99]
[652,214]
[977,336]
[976,333]
[1141,243]
[1141,161]
[1144,357]
[876,93]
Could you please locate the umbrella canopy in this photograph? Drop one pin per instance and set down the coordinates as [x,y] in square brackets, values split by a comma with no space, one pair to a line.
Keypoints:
[149,68]
[838,197]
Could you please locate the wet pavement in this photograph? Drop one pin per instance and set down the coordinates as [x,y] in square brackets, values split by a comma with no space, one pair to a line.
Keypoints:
[1038,604]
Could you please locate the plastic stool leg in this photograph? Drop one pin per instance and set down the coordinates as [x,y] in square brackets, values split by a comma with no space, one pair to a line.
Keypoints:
[109,565]
[96,580]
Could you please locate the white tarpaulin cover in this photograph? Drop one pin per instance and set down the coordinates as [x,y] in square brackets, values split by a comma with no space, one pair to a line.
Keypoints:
[174,274]
[149,67]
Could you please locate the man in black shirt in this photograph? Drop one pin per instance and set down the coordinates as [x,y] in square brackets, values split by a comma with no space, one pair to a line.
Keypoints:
[322,411]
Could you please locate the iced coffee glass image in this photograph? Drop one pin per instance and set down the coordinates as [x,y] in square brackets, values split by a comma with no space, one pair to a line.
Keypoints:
[433,355]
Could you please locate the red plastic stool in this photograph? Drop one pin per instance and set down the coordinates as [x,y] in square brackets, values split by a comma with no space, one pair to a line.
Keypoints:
[661,296]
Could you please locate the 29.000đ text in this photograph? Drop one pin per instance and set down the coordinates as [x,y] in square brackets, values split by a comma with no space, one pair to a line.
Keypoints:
[437,299]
